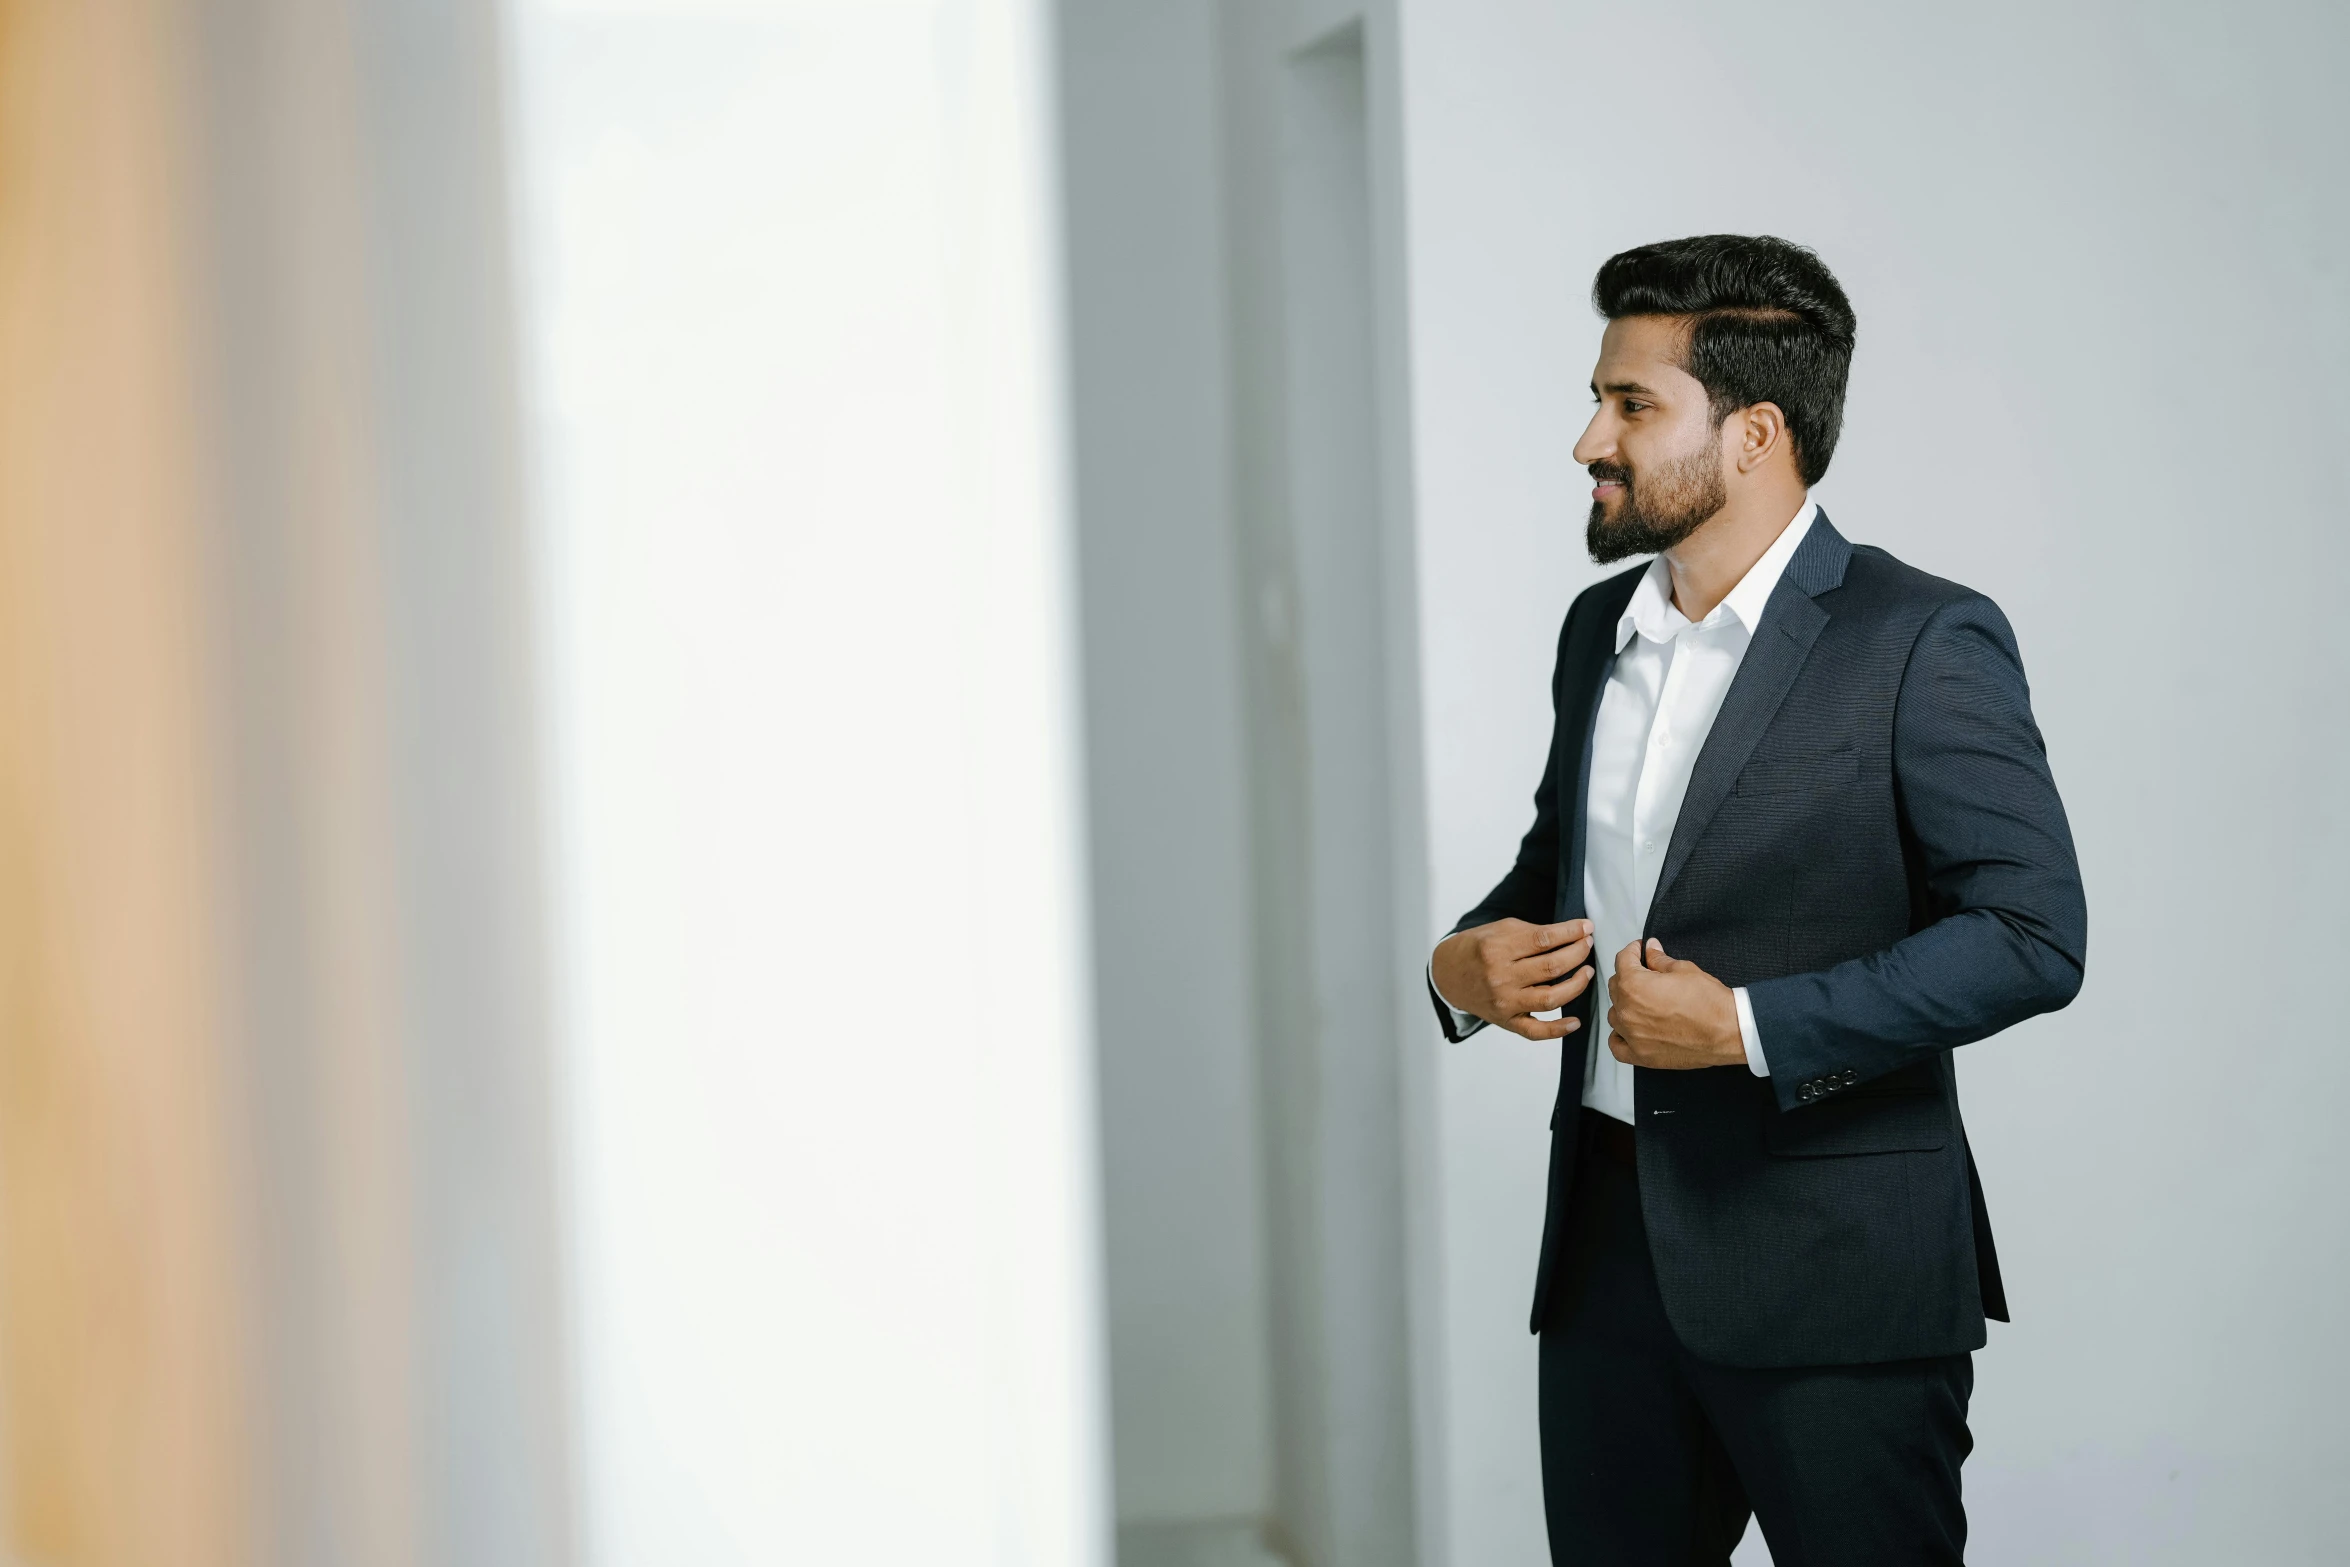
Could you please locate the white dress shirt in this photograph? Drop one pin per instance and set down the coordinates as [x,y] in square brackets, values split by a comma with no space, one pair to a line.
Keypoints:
[1666,685]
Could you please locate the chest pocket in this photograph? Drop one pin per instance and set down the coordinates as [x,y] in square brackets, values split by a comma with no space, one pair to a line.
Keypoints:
[1785,775]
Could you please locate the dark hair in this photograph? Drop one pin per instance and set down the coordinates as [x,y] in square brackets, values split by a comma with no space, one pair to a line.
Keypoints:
[1768,323]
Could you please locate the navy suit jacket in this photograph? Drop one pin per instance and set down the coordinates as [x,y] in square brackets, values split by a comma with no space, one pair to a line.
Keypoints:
[1872,844]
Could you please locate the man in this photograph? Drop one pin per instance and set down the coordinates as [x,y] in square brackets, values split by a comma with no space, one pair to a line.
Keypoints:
[1797,806]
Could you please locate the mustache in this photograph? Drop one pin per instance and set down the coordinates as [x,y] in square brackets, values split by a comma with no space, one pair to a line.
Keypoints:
[1609,473]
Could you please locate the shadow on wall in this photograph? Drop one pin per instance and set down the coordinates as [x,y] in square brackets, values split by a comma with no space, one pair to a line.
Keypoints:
[1246,569]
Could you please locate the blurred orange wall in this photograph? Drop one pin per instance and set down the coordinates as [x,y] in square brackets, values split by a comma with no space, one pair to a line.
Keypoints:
[124,1418]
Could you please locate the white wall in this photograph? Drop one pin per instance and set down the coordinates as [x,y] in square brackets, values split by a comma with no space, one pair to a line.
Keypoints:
[2097,254]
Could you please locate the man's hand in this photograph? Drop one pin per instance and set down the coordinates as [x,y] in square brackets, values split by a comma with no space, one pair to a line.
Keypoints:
[1670,1014]
[1505,971]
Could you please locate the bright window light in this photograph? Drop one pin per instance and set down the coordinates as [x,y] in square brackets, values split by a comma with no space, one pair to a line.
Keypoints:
[789,270]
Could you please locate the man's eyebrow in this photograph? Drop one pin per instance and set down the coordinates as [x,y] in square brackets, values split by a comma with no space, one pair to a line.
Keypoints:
[1628,388]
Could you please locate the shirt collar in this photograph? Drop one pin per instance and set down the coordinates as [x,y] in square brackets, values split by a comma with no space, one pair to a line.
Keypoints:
[1651,612]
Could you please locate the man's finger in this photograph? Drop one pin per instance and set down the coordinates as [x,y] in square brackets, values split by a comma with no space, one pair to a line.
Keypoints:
[1514,939]
[1508,938]
[1654,956]
[1563,932]
[1619,1047]
[1546,968]
[1541,1028]
[1627,965]
[1542,998]
[1662,961]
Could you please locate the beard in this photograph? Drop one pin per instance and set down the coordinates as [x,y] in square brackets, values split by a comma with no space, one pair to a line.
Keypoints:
[1665,505]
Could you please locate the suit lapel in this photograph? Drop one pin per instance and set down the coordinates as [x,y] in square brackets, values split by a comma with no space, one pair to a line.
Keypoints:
[1791,623]
[1582,678]
[1583,672]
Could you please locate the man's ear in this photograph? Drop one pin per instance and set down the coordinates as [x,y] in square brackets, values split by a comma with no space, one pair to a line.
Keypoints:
[1757,433]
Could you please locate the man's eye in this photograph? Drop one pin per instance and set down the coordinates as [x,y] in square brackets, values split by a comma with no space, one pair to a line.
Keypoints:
[1631,407]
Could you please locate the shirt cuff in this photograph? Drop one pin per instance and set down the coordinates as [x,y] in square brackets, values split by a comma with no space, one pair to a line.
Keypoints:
[1748,1034]
[1462,1022]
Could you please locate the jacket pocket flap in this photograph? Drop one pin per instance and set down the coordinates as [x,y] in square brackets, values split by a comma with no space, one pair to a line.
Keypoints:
[1873,1123]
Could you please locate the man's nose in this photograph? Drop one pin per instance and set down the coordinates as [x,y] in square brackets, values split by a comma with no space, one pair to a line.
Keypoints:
[1596,445]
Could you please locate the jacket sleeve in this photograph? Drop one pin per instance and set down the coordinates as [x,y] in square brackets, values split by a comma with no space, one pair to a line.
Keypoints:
[1530,891]
[2005,925]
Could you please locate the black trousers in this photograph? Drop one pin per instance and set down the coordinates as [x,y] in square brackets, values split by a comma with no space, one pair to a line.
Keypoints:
[1651,1458]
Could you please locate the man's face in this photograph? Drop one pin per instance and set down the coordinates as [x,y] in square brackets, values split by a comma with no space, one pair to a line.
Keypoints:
[1653,449]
